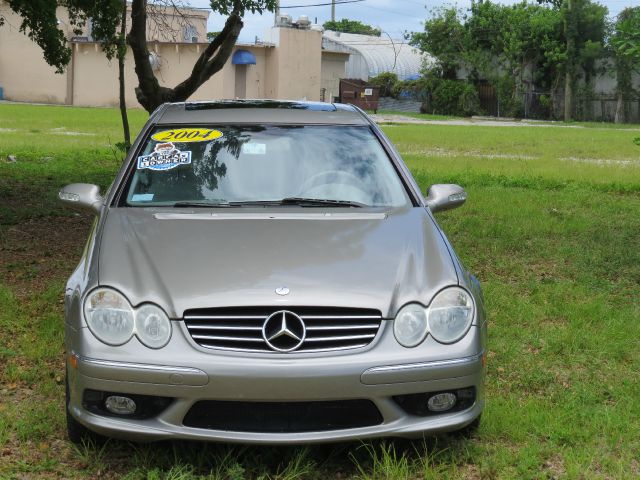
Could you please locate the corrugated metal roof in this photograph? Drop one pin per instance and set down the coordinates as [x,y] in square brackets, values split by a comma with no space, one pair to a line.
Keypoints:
[381,54]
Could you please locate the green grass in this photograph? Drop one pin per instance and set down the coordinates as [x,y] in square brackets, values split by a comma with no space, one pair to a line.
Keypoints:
[421,116]
[551,227]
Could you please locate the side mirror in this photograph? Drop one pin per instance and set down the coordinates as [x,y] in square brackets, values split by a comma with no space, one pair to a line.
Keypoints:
[442,197]
[81,195]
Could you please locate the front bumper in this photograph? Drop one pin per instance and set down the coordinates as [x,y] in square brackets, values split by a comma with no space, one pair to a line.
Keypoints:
[378,373]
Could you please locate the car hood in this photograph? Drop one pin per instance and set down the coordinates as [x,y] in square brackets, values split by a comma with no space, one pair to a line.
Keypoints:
[366,259]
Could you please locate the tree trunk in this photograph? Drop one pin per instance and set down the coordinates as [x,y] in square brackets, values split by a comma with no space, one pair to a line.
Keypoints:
[149,92]
[122,52]
[568,79]
[568,96]
[624,86]
[619,118]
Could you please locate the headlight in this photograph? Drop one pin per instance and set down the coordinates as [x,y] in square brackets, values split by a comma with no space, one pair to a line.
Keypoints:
[153,328]
[109,316]
[410,325]
[113,321]
[450,315]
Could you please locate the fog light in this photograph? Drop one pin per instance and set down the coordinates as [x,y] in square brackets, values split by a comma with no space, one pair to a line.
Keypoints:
[441,402]
[120,405]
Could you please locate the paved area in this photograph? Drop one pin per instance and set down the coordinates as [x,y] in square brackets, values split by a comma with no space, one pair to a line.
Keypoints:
[383,118]
[474,121]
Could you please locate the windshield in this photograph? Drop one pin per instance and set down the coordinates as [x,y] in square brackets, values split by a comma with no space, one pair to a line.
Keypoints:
[250,164]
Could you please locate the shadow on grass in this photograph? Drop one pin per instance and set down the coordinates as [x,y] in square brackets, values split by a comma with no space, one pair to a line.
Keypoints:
[434,457]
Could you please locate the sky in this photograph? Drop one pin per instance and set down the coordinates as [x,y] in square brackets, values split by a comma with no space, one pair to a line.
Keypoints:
[391,16]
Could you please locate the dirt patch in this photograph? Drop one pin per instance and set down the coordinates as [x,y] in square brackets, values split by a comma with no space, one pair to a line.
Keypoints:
[478,122]
[39,250]
[555,467]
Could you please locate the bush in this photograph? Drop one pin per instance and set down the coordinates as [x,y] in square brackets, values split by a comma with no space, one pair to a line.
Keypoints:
[416,89]
[510,104]
[451,97]
[386,82]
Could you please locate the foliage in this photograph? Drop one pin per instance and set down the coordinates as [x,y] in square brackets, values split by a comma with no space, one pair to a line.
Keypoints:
[451,97]
[351,26]
[445,38]
[212,35]
[625,50]
[40,23]
[626,40]
[515,47]
[385,81]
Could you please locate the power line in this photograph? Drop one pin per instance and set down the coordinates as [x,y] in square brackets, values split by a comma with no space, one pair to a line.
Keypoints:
[339,2]
[393,12]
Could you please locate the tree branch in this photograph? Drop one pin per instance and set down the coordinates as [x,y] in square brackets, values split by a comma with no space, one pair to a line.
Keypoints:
[208,63]
[149,92]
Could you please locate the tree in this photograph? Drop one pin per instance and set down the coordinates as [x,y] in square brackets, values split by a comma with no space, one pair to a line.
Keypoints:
[518,46]
[584,34]
[509,46]
[39,21]
[446,39]
[122,53]
[351,26]
[625,46]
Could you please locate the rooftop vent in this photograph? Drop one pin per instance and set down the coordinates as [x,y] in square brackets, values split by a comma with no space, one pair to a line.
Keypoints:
[284,21]
[304,22]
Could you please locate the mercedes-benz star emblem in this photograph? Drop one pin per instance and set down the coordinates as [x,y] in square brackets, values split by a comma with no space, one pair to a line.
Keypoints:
[282,291]
[284,331]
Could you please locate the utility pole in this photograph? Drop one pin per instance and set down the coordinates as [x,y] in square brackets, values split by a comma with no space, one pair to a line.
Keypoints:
[333,10]
[276,13]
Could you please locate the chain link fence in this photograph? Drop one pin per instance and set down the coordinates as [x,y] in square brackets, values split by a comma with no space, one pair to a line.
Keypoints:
[588,108]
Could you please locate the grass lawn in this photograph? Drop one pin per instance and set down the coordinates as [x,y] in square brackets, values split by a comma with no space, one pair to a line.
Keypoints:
[421,116]
[551,228]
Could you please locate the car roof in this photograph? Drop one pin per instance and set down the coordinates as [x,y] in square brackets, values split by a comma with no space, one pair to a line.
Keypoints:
[260,112]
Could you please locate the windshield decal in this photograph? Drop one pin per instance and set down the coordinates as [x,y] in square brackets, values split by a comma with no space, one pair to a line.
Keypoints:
[165,156]
[142,197]
[253,148]
[184,135]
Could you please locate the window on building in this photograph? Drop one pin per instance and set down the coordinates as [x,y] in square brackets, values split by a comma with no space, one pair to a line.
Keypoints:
[190,34]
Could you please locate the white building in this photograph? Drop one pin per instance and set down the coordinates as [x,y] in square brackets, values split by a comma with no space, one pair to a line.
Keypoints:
[370,56]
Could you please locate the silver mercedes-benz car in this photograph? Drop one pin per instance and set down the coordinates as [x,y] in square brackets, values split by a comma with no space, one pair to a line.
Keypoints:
[269,272]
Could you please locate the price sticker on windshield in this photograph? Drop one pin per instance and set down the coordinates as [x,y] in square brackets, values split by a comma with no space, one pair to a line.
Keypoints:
[184,135]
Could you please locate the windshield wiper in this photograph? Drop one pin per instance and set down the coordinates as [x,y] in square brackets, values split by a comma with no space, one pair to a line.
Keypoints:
[299,201]
[203,204]
[320,202]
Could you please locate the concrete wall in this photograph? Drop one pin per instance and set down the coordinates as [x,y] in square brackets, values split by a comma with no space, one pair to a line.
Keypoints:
[95,79]
[22,66]
[294,66]
[332,70]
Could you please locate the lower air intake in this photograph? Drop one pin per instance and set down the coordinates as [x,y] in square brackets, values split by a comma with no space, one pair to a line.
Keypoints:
[282,417]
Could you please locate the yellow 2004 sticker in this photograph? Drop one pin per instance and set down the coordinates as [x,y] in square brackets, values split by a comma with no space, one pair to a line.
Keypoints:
[183,135]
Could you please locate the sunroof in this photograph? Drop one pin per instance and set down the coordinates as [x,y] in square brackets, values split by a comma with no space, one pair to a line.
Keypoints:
[236,104]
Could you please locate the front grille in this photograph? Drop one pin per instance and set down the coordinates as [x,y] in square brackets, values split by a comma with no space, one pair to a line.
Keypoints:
[282,417]
[327,328]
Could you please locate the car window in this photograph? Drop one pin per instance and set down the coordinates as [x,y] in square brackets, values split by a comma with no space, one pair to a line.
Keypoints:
[264,163]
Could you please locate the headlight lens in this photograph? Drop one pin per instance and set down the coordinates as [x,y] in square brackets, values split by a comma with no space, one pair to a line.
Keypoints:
[450,315]
[113,321]
[109,316]
[410,325]
[153,327]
